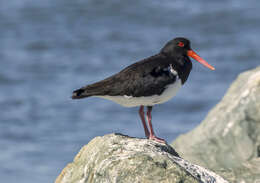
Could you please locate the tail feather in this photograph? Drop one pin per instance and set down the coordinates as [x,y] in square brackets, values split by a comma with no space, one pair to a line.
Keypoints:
[80,93]
[98,88]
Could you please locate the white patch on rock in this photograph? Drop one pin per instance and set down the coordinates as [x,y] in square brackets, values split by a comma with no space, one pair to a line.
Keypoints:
[254,77]
[245,94]
[206,176]
[228,127]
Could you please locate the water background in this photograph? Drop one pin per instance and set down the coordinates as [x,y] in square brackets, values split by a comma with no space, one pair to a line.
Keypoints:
[49,48]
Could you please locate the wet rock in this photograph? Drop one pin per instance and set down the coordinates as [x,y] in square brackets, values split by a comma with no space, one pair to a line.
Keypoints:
[227,141]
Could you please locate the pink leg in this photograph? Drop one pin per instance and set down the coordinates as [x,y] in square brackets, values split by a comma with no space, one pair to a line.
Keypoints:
[152,135]
[141,113]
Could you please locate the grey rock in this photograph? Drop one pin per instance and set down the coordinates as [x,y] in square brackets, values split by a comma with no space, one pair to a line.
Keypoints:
[228,140]
[116,158]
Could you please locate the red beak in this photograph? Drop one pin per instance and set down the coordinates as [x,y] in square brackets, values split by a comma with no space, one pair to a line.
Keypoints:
[195,56]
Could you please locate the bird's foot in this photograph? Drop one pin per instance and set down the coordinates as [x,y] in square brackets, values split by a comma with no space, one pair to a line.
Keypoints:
[157,139]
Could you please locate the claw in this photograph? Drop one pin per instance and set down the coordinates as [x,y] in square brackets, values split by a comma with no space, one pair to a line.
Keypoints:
[157,139]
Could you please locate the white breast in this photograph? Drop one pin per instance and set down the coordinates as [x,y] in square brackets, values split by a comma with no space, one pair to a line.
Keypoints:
[130,101]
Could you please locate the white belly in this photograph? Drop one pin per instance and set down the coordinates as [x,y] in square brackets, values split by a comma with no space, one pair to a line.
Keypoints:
[129,101]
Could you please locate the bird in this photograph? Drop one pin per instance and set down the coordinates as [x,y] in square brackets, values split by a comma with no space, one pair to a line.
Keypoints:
[148,82]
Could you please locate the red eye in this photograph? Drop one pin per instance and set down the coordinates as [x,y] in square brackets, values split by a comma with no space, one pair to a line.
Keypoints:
[181,44]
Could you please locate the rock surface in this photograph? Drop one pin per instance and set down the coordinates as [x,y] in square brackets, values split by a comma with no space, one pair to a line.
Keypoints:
[228,140]
[118,158]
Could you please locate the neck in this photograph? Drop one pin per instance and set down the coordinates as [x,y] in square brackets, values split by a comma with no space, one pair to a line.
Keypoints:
[182,64]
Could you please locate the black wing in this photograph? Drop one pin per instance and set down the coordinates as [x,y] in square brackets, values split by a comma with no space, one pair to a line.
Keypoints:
[144,78]
[151,83]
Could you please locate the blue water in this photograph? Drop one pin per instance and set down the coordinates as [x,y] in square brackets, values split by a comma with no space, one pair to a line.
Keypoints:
[49,48]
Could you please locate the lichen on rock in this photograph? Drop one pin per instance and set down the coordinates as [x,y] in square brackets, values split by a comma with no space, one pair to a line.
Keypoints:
[118,158]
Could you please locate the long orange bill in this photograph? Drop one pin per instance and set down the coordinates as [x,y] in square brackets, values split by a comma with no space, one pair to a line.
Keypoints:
[195,56]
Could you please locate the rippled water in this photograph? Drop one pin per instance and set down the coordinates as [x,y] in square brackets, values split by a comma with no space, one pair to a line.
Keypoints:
[49,48]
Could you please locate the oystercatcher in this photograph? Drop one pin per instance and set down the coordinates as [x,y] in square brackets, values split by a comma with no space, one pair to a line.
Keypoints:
[148,82]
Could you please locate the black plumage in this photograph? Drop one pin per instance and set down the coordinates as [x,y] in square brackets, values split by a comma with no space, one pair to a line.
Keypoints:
[144,78]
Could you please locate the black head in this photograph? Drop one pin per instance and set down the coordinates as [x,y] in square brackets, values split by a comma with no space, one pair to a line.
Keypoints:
[179,48]
[176,47]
